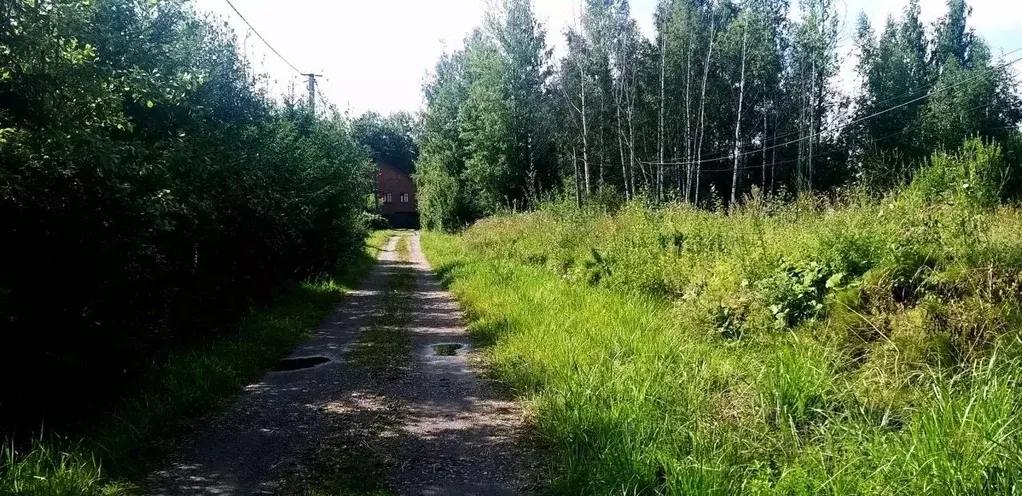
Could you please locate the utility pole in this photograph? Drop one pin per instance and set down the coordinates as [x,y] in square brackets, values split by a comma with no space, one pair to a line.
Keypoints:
[312,90]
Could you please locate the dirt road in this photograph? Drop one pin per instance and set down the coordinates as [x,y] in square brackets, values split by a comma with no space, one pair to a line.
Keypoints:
[410,422]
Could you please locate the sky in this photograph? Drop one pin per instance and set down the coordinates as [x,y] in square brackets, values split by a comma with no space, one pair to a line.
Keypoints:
[374,54]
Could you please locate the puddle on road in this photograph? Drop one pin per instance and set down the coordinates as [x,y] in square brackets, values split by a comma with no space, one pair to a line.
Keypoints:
[289,364]
[446,349]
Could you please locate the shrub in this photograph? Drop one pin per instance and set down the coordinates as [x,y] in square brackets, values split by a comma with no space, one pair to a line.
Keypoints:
[977,173]
[605,199]
[375,221]
[729,319]
[440,202]
[148,201]
[795,292]
[852,250]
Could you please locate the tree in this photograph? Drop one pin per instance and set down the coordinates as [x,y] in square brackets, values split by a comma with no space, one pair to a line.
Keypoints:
[141,165]
[725,94]
[486,139]
[442,201]
[815,63]
[389,139]
[928,100]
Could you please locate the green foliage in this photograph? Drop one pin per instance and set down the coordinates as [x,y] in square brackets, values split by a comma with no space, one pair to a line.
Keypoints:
[150,194]
[730,321]
[443,203]
[722,97]
[969,93]
[894,72]
[485,128]
[604,198]
[647,342]
[47,469]
[176,391]
[977,173]
[389,139]
[797,384]
[374,221]
[795,292]
[483,139]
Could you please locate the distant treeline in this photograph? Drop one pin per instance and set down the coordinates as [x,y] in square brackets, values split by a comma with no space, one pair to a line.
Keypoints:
[727,96]
[149,192]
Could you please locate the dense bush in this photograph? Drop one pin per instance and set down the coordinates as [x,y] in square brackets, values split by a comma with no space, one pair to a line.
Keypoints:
[978,173]
[795,292]
[148,192]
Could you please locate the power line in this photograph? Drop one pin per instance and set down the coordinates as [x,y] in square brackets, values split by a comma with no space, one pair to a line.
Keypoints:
[897,97]
[853,122]
[910,93]
[882,112]
[793,160]
[311,77]
[256,31]
[323,98]
[911,127]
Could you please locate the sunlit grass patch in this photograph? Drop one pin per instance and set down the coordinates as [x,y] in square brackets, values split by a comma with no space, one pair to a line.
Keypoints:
[859,348]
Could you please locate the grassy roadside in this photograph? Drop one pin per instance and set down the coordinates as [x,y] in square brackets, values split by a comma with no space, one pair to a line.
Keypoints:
[850,349]
[348,461]
[132,438]
[596,367]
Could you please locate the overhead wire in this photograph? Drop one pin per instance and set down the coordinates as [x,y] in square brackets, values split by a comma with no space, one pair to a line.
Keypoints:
[322,98]
[929,92]
[911,127]
[897,97]
[889,99]
[912,92]
[903,95]
[256,31]
[882,112]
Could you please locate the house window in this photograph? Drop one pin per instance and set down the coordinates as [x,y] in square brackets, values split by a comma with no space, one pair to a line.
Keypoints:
[404,197]
[388,199]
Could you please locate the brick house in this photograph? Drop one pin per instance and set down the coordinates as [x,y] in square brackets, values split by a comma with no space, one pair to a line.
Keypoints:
[395,197]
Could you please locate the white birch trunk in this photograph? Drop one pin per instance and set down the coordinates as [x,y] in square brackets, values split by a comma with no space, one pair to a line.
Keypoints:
[660,133]
[738,119]
[702,109]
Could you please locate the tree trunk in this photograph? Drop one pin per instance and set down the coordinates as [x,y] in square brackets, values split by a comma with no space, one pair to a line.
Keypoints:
[812,126]
[578,186]
[803,124]
[738,120]
[631,133]
[762,179]
[601,127]
[773,158]
[585,130]
[689,141]
[660,133]
[621,148]
[702,109]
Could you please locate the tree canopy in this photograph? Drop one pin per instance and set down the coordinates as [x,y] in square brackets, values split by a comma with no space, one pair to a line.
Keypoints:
[390,139]
[728,96]
[149,191]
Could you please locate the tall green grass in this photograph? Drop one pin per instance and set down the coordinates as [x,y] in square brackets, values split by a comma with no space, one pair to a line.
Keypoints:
[128,441]
[854,347]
